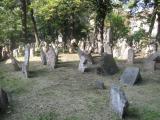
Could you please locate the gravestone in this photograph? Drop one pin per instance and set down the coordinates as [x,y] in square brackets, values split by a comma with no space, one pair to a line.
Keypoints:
[87,56]
[15,53]
[107,48]
[20,50]
[32,51]
[82,64]
[119,102]
[130,76]
[25,65]
[100,84]
[81,45]
[16,64]
[130,59]
[3,100]
[150,62]
[43,57]
[72,46]
[51,58]
[107,65]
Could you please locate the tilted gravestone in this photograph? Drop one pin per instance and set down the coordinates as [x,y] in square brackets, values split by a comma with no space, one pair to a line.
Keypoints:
[100,84]
[3,100]
[130,76]
[130,56]
[87,56]
[16,64]
[83,64]
[118,100]
[43,57]
[150,62]
[25,65]
[85,60]
[51,58]
[107,65]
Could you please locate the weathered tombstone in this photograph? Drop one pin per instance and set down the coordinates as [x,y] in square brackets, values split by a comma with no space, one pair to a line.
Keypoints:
[82,64]
[150,62]
[20,50]
[100,84]
[3,100]
[43,57]
[72,46]
[51,58]
[130,59]
[100,47]
[107,65]
[81,45]
[56,51]
[32,50]
[130,76]
[119,102]
[15,63]
[116,52]
[87,56]
[25,65]
[107,48]
[15,53]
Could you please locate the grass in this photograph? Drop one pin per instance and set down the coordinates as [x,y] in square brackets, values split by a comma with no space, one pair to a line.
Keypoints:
[66,94]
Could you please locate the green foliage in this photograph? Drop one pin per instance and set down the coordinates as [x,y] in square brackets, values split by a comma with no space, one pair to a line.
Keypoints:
[59,16]
[118,27]
[138,35]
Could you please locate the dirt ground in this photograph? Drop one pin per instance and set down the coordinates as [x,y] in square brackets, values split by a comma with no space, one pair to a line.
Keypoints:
[67,94]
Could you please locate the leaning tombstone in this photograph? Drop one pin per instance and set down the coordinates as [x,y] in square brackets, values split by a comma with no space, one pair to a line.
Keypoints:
[25,65]
[87,56]
[118,100]
[100,84]
[150,62]
[130,76]
[15,63]
[51,58]
[107,65]
[43,57]
[3,101]
[83,64]
[130,56]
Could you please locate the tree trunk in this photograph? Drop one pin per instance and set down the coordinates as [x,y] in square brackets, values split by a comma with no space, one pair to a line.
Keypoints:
[24,20]
[158,30]
[34,25]
[152,23]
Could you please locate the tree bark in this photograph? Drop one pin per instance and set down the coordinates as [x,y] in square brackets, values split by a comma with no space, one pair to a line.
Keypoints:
[152,22]
[24,20]
[158,30]
[34,25]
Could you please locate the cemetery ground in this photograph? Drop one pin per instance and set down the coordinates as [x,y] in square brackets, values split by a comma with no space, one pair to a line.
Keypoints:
[67,94]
